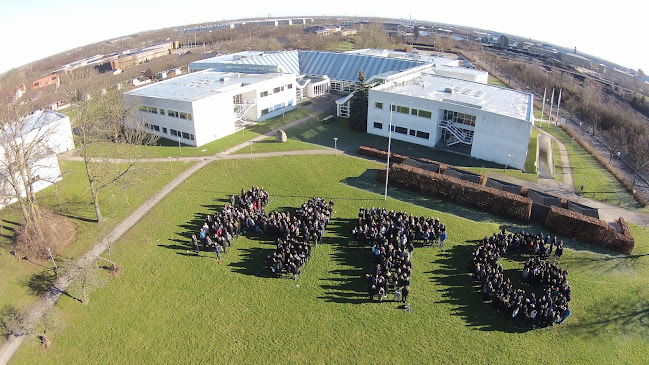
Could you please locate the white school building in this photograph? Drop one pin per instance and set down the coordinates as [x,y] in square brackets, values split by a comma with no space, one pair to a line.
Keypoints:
[204,106]
[487,122]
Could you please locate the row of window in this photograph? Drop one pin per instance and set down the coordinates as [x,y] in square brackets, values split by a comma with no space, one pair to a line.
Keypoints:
[173,132]
[407,110]
[276,107]
[456,117]
[403,130]
[170,113]
[275,90]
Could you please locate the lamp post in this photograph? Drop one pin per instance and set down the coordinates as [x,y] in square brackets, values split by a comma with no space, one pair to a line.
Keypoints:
[387,166]
[180,151]
[250,149]
[171,167]
[509,155]
[335,143]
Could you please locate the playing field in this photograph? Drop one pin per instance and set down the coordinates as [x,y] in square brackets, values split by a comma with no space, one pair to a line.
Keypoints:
[173,307]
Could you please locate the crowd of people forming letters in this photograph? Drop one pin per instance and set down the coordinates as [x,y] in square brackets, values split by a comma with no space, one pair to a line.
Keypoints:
[551,305]
[392,236]
[294,233]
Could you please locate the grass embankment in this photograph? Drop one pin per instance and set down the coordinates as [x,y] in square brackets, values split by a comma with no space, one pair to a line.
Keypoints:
[558,168]
[170,306]
[597,182]
[23,281]
[492,80]
[169,148]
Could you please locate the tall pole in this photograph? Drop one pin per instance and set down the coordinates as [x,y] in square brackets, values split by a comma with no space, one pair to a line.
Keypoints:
[551,105]
[180,151]
[543,107]
[559,103]
[387,166]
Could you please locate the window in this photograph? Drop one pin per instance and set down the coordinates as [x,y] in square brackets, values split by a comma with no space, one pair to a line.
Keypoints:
[191,136]
[425,114]
[143,108]
[412,132]
[170,113]
[424,135]
[378,105]
[153,110]
[401,109]
[289,86]
[174,132]
[413,111]
[282,88]
[162,111]
[185,135]
[378,125]
[401,130]
[146,125]
[183,115]
[263,94]
[156,128]
[264,111]
[276,90]
[164,130]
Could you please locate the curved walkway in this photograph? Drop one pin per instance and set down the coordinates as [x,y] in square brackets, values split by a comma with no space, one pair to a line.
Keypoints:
[46,301]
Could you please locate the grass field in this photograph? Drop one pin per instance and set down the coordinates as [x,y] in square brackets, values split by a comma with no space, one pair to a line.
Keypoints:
[23,281]
[494,81]
[166,148]
[174,307]
[556,154]
[597,182]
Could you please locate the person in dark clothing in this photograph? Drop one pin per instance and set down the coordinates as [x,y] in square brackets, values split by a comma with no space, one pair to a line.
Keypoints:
[404,294]
[195,244]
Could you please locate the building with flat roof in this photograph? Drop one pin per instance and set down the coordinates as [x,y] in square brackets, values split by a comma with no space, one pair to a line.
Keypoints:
[203,106]
[484,121]
[46,133]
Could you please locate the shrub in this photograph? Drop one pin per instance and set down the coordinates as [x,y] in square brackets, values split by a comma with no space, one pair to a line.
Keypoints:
[462,192]
[588,229]
[381,154]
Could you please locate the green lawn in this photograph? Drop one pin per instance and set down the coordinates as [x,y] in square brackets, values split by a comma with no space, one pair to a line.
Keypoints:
[23,281]
[556,154]
[492,80]
[173,307]
[270,145]
[597,182]
[166,148]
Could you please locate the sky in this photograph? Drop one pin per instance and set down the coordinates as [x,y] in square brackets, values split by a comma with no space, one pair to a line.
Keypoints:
[612,30]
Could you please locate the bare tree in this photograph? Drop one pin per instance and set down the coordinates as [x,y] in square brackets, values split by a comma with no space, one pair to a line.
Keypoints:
[84,279]
[373,36]
[104,135]
[639,151]
[616,140]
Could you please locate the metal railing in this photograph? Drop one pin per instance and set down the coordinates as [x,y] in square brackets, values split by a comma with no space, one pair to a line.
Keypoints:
[459,135]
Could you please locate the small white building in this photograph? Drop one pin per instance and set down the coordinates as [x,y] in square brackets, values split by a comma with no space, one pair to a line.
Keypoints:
[487,122]
[47,133]
[203,106]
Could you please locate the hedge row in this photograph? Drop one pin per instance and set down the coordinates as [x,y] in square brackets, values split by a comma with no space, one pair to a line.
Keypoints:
[397,158]
[381,154]
[588,229]
[487,199]
[617,174]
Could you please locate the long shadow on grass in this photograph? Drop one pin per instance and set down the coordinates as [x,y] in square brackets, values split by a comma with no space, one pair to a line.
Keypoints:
[626,315]
[367,181]
[459,291]
[346,284]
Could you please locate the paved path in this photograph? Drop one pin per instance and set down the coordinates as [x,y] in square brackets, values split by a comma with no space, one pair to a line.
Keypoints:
[63,283]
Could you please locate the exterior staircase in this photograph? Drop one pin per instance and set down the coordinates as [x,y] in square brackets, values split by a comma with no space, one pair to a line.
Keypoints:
[458,135]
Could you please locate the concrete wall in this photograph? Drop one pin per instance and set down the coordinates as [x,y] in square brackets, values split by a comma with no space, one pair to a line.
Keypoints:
[163,120]
[496,136]
[213,118]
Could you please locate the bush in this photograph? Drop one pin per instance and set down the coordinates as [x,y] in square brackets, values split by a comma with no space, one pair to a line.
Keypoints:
[381,154]
[588,229]
[484,198]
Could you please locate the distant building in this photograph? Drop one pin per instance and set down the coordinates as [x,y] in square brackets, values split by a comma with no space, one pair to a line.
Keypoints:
[46,81]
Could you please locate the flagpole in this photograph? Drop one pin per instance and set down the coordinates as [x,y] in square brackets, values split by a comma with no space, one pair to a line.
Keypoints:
[551,105]
[559,104]
[543,107]
[387,166]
